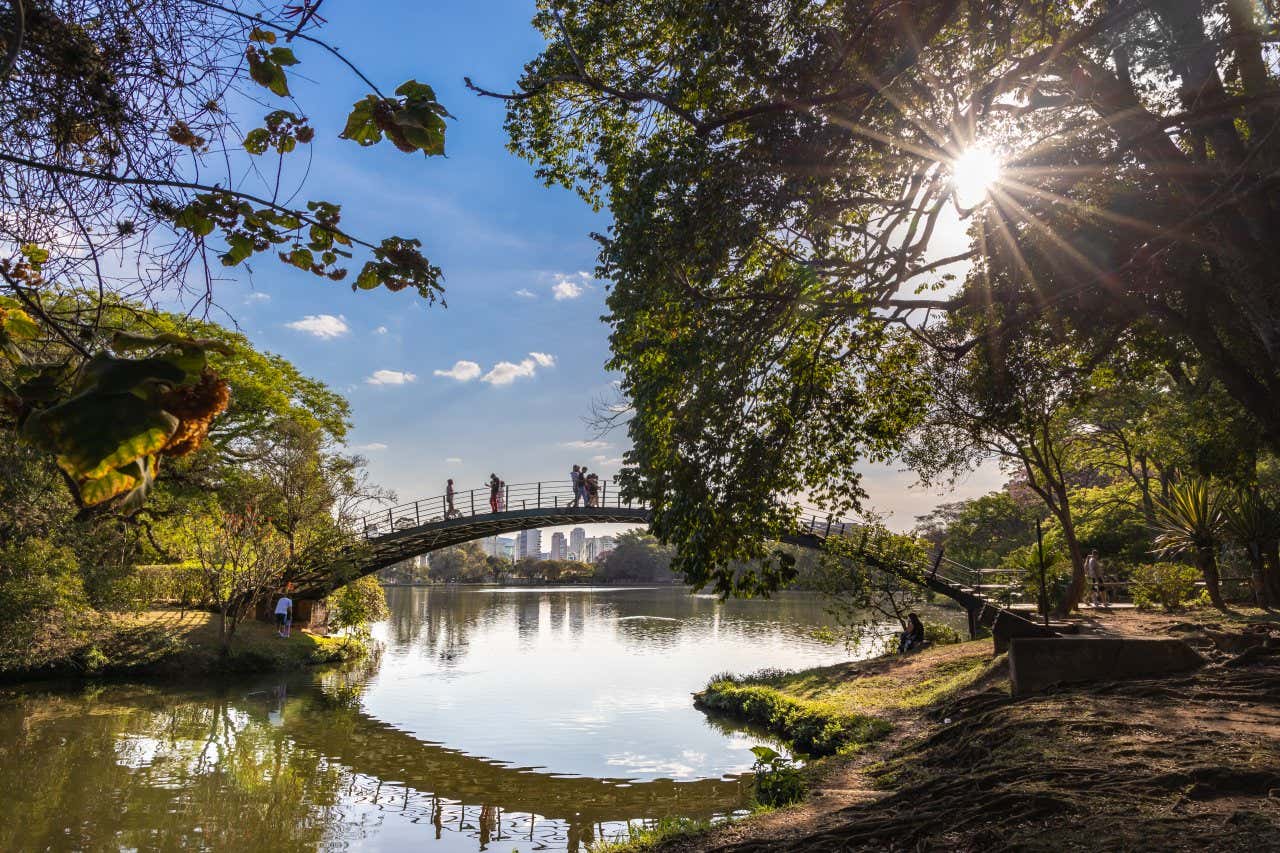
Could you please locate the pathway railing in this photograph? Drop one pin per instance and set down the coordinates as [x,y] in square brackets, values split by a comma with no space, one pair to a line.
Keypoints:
[512,497]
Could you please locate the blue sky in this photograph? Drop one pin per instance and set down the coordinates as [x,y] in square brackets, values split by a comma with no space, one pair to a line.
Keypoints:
[502,379]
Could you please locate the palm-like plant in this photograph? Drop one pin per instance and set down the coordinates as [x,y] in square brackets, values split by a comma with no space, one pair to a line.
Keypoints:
[1192,521]
[1253,524]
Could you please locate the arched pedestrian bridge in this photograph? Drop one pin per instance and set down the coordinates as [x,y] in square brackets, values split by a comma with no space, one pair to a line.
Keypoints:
[401,532]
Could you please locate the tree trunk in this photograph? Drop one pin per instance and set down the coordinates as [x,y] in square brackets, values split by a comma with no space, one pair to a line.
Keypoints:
[1208,564]
[1258,576]
[1271,562]
[1075,590]
[225,629]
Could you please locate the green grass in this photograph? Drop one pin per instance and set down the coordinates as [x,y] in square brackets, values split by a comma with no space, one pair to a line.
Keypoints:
[838,709]
[812,727]
[177,644]
[650,834]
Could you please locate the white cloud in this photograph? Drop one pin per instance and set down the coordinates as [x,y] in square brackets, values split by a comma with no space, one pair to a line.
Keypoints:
[321,325]
[381,330]
[463,371]
[566,289]
[454,459]
[526,293]
[258,296]
[390,377]
[606,460]
[373,445]
[506,372]
[585,445]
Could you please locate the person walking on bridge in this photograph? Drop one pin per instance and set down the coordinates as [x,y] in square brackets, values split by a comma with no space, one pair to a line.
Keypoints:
[575,481]
[495,488]
[449,512]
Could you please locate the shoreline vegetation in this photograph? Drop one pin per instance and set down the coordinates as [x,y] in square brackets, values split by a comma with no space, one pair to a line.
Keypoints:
[930,751]
[173,644]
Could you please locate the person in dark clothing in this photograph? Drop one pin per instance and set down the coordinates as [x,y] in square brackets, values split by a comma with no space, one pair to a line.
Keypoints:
[450,512]
[913,636]
[495,487]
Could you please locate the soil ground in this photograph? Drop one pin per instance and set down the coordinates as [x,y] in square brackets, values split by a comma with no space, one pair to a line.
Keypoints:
[1190,762]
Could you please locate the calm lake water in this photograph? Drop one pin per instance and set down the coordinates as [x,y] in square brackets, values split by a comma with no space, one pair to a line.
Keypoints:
[493,719]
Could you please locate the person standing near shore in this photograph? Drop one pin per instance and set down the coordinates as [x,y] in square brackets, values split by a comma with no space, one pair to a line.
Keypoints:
[284,616]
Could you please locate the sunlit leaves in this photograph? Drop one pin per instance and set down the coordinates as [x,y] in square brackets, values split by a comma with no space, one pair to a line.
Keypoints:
[107,433]
[413,122]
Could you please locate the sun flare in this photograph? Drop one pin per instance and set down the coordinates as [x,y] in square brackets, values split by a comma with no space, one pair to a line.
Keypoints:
[973,174]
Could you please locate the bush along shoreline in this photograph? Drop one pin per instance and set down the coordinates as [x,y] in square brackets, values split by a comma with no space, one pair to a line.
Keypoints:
[170,645]
[815,729]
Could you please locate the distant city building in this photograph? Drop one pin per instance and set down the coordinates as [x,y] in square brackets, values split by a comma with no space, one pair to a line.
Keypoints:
[498,546]
[590,555]
[578,543]
[559,549]
[605,543]
[529,544]
[544,556]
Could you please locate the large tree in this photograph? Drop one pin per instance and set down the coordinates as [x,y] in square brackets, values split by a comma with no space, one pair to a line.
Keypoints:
[134,168]
[782,178]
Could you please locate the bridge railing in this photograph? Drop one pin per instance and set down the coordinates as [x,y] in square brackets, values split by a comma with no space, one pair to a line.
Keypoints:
[546,494]
[559,494]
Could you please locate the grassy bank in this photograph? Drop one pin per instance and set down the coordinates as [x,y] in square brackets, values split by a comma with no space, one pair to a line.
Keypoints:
[839,709]
[171,644]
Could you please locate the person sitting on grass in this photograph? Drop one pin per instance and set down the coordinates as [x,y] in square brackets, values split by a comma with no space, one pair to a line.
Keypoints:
[284,616]
[913,636]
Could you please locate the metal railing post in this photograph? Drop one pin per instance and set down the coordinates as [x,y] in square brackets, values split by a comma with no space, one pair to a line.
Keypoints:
[473,501]
[417,516]
[539,495]
[444,507]
[391,524]
[506,498]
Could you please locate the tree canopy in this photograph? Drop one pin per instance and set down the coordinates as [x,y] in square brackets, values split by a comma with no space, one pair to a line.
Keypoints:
[135,168]
[787,228]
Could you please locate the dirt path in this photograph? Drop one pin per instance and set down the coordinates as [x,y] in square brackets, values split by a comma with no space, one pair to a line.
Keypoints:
[1187,763]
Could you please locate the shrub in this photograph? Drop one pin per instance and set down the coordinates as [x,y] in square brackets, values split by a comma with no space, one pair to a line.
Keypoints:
[941,634]
[1169,585]
[778,781]
[814,728]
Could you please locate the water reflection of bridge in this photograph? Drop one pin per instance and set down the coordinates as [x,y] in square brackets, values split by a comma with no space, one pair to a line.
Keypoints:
[427,781]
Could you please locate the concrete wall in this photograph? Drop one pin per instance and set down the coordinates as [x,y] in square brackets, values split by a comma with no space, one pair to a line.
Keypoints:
[1036,663]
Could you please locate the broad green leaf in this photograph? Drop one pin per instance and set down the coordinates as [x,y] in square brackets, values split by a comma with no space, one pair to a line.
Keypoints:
[109,375]
[283,56]
[260,35]
[257,140]
[239,247]
[35,255]
[92,433]
[368,278]
[361,125]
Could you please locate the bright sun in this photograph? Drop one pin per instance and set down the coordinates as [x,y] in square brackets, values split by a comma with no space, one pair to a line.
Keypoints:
[974,173]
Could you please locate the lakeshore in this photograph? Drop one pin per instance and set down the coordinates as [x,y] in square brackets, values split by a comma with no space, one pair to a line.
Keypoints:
[958,763]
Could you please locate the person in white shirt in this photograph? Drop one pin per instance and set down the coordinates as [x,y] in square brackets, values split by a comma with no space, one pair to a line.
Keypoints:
[1093,571]
[284,616]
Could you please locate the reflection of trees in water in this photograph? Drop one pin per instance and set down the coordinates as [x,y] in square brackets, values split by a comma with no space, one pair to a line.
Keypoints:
[131,768]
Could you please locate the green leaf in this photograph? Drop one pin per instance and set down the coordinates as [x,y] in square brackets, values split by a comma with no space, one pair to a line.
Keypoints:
[764,754]
[35,255]
[368,278]
[361,125]
[239,248]
[257,140]
[268,73]
[283,56]
[111,375]
[261,35]
[300,258]
[93,433]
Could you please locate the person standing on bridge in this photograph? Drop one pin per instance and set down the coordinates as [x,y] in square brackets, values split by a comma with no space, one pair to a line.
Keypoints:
[582,487]
[575,482]
[593,490]
[495,488]
[450,512]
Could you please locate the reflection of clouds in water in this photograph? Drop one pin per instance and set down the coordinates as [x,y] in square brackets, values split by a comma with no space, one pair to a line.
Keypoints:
[690,765]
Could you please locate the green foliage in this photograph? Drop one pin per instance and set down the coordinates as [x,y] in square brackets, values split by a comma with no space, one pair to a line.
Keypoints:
[649,835]
[41,596]
[941,634]
[778,781]
[356,605]
[637,557]
[979,532]
[1167,585]
[1191,519]
[414,122]
[814,728]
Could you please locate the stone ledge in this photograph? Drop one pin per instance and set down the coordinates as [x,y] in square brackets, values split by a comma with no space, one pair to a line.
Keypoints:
[1038,662]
